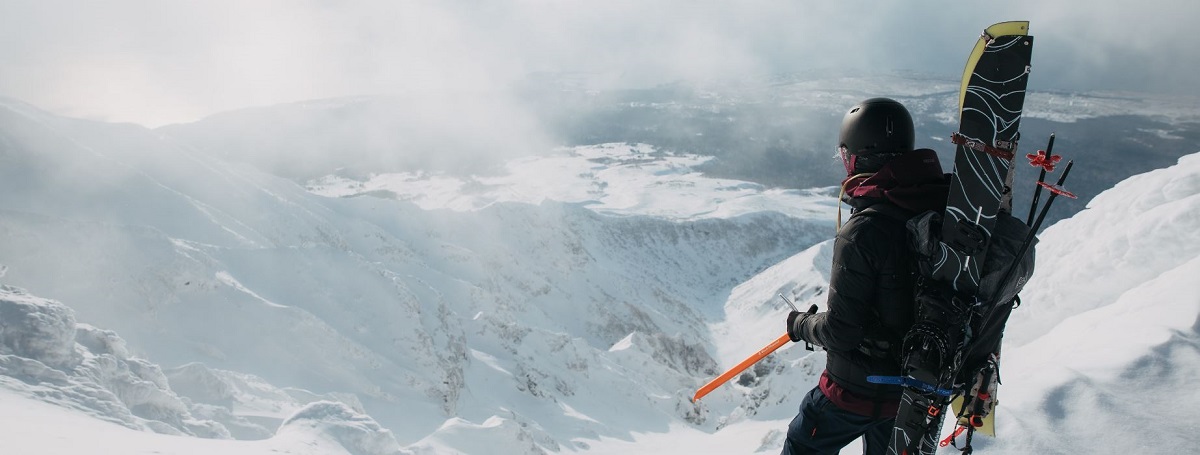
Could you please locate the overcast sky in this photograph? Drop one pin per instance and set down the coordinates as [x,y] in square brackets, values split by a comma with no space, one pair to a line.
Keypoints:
[161,61]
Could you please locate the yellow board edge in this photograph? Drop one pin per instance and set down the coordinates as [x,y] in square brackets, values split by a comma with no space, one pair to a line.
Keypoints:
[989,422]
[998,29]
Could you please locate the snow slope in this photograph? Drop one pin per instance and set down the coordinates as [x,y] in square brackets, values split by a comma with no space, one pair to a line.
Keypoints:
[66,385]
[34,427]
[1105,349]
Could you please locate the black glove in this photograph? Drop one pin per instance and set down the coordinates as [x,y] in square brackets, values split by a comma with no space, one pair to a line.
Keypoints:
[795,323]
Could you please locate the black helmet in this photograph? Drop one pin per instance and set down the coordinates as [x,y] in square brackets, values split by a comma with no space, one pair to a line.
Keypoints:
[873,132]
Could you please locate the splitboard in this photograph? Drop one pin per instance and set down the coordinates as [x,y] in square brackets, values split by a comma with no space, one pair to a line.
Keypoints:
[990,103]
[991,99]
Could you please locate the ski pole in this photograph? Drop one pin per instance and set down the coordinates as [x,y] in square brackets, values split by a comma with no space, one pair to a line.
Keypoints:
[1038,224]
[726,376]
[1037,190]
[1054,192]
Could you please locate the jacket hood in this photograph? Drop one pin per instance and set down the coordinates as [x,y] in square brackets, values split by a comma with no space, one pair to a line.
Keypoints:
[913,181]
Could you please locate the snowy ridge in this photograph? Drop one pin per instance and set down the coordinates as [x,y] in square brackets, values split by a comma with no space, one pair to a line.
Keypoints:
[1110,336]
[1132,234]
[46,356]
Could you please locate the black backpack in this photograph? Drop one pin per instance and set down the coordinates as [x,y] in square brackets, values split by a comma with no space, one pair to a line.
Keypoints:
[970,327]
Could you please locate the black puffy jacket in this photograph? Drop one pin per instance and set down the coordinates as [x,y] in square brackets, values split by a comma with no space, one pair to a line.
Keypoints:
[870,305]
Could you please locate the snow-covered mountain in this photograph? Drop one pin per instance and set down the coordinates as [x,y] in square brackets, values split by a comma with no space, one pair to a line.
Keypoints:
[535,323]
[571,302]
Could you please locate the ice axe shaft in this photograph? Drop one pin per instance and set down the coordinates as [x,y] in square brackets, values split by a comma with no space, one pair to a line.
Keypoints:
[726,376]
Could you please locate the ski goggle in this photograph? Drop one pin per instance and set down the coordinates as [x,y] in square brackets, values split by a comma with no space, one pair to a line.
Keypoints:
[856,164]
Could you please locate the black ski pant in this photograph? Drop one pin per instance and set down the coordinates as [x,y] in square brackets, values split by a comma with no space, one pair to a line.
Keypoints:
[823,428]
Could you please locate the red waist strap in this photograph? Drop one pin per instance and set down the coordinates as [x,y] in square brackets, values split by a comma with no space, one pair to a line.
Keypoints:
[855,403]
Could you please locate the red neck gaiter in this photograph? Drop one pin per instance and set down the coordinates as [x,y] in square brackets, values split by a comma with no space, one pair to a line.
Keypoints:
[913,181]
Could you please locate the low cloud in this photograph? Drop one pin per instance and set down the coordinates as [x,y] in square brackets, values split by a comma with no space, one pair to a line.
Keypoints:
[156,63]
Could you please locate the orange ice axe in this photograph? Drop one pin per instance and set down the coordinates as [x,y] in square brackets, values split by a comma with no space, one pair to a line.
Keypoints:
[725,377]
[765,351]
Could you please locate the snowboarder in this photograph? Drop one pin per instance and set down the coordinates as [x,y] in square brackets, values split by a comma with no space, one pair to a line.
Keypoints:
[870,299]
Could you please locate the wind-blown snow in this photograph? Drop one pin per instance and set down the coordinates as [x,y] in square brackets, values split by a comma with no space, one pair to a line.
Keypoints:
[571,304]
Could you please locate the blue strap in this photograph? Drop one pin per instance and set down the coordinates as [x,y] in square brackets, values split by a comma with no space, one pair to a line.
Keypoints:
[910,382]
